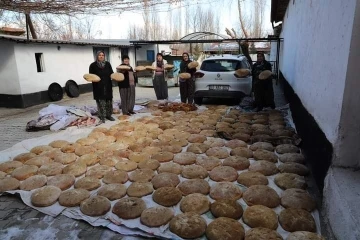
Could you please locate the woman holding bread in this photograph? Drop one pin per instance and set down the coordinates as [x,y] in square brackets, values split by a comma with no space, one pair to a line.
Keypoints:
[187,86]
[159,82]
[127,87]
[102,90]
[263,88]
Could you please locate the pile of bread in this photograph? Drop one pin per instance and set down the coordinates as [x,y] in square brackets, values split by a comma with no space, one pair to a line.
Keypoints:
[175,107]
[201,185]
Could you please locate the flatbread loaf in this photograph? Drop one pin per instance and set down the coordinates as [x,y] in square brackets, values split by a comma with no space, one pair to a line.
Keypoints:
[297,198]
[88,183]
[115,176]
[156,216]
[95,206]
[165,180]
[45,196]
[260,216]
[290,180]
[223,174]
[237,162]
[167,196]
[112,191]
[23,157]
[62,181]
[194,171]
[295,219]
[223,226]
[195,202]
[129,208]
[24,172]
[51,169]
[73,197]
[8,184]
[260,233]
[33,182]
[139,189]
[264,167]
[225,190]
[194,186]
[9,166]
[226,208]
[261,195]
[76,169]
[188,225]
[142,175]
[170,167]
[252,178]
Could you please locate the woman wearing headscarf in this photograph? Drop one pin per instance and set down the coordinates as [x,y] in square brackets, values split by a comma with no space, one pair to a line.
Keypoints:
[263,89]
[102,90]
[187,86]
[159,82]
[127,88]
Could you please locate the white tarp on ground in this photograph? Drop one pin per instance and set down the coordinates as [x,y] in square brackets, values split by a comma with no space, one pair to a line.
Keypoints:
[110,220]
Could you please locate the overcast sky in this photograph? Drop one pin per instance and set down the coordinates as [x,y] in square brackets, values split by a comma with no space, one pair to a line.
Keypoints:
[116,26]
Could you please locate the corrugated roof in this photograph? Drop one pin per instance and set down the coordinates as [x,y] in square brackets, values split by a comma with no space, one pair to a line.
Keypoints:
[94,42]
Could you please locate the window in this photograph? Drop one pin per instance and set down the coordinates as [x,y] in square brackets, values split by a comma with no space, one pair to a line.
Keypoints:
[222,65]
[39,62]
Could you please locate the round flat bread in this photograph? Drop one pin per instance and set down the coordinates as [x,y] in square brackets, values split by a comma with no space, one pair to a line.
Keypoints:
[165,180]
[241,152]
[142,175]
[45,196]
[282,132]
[8,184]
[24,172]
[98,171]
[163,156]
[89,159]
[156,216]
[62,181]
[172,149]
[167,196]
[226,208]
[86,141]
[208,162]
[261,195]
[2,175]
[9,166]
[260,216]
[296,168]
[23,157]
[138,189]
[274,127]
[58,143]
[223,226]
[185,158]
[264,167]
[188,225]
[295,219]
[235,143]
[225,190]
[115,176]
[262,234]
[194,186]
[215,142]
[180,142]
[266,155]
[151,150]
[208,133]
[38,161]
[197,148]
[195,202]
[52,153]
[66,158]
[33,182]
[292,157]
[290,180]
[122,153]
[39,149]
[303,235]
[241,136]
[51,169]
[149,164]
[297,198]
[76,169]
[263,132]
[223,174]
[126,165]
[129,208]
[287,148]
[260,138]
[252,178]
[194,171]
[73,197]
[138,157]
[88,183]
[170,167]
[112,191]
[218,152]
[110,161]
[196,138]
[95,206]
[70,148]
[237,162]
[82,150]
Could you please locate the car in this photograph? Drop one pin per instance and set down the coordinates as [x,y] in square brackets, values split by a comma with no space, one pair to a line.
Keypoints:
[216,78]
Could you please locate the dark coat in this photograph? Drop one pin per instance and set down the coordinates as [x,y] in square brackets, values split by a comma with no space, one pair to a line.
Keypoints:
[126,82]
[103,89]
[263,89]
[184,68]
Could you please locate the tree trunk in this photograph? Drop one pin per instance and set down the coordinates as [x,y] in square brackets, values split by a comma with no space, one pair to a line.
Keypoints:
[245,50]
[31,26]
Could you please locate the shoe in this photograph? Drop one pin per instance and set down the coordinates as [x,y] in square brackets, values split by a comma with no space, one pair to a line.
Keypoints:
[132,112]
[110,118]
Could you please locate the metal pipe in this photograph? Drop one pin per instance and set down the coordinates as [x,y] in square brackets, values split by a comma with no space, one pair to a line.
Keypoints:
[277,61]
[27,27]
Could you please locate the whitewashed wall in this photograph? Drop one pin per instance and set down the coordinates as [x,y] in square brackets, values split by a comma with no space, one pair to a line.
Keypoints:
[141,52]
[314,56]
[70,62]
[9,78]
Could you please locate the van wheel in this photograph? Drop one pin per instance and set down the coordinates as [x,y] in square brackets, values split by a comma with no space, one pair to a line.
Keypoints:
[198,100]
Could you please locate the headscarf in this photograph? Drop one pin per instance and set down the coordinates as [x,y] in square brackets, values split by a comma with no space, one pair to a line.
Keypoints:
[102,63]
[187,56]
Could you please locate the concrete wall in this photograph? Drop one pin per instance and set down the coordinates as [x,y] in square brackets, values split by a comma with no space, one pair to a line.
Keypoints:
[347,150]
[314,56]
[9,78]
[70,62]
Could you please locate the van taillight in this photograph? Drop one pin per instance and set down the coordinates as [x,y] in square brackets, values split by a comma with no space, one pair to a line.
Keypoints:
[199,75]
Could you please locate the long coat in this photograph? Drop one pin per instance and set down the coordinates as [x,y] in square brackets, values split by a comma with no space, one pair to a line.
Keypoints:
[103,89]
[263,89]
